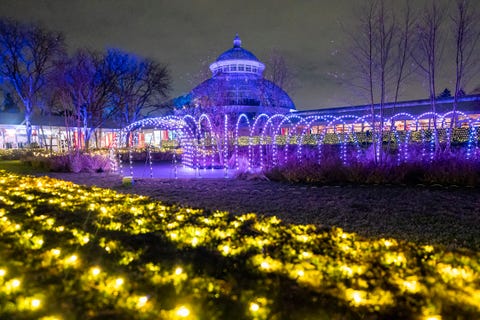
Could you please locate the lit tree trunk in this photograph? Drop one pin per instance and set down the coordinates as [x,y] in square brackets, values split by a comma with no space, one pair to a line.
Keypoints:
[28,123]
[219,145]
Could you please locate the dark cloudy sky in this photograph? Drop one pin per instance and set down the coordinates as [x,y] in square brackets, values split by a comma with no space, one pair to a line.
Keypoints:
[186,35]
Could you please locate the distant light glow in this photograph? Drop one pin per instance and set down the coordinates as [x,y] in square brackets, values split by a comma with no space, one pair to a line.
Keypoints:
[183,312]
[35,303]
[254,307]
[95,271]
[15,283]
[225,249]
[357,297]
[142,301]
[72,259]
[119,282]
[194,242]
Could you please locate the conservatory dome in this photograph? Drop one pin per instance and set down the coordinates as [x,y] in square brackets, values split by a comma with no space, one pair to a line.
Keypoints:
[237,85]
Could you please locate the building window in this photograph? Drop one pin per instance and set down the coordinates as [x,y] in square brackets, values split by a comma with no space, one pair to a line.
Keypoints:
[225,69]
[233,67]
[254,69]
[400,125]
[424,124]
[248,68]
[241,67]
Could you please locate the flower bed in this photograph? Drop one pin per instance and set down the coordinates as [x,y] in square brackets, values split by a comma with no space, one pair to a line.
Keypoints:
[69,252]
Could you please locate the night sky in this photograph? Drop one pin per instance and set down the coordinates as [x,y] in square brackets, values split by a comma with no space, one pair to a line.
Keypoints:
[187,35]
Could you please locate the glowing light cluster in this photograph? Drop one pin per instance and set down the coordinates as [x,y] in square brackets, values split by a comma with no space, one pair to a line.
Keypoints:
[139,259]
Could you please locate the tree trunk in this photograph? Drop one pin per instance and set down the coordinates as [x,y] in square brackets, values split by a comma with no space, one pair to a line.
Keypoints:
[28,128]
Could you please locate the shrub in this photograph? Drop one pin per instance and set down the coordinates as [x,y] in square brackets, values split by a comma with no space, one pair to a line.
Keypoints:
[73,162]
[449,169]
[19,154]
[79,162]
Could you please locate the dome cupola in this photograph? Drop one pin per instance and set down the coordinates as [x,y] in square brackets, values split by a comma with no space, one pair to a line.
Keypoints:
[237,60]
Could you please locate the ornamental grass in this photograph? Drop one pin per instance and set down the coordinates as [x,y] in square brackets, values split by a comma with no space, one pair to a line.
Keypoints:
[72,252]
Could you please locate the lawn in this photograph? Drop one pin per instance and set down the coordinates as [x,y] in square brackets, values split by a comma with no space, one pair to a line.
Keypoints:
[70,252]
[17,166]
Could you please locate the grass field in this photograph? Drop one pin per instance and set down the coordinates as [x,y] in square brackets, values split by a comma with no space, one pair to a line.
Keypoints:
[16,166]
[69,252]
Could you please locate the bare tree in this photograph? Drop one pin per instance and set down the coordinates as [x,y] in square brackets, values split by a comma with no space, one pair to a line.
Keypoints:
[380,53]
[403,51]
[139,85]
[428,54]
[385,29]
[466,34]
[278,72]
[28,54]
[401,62]
[86,86]
[363,56]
